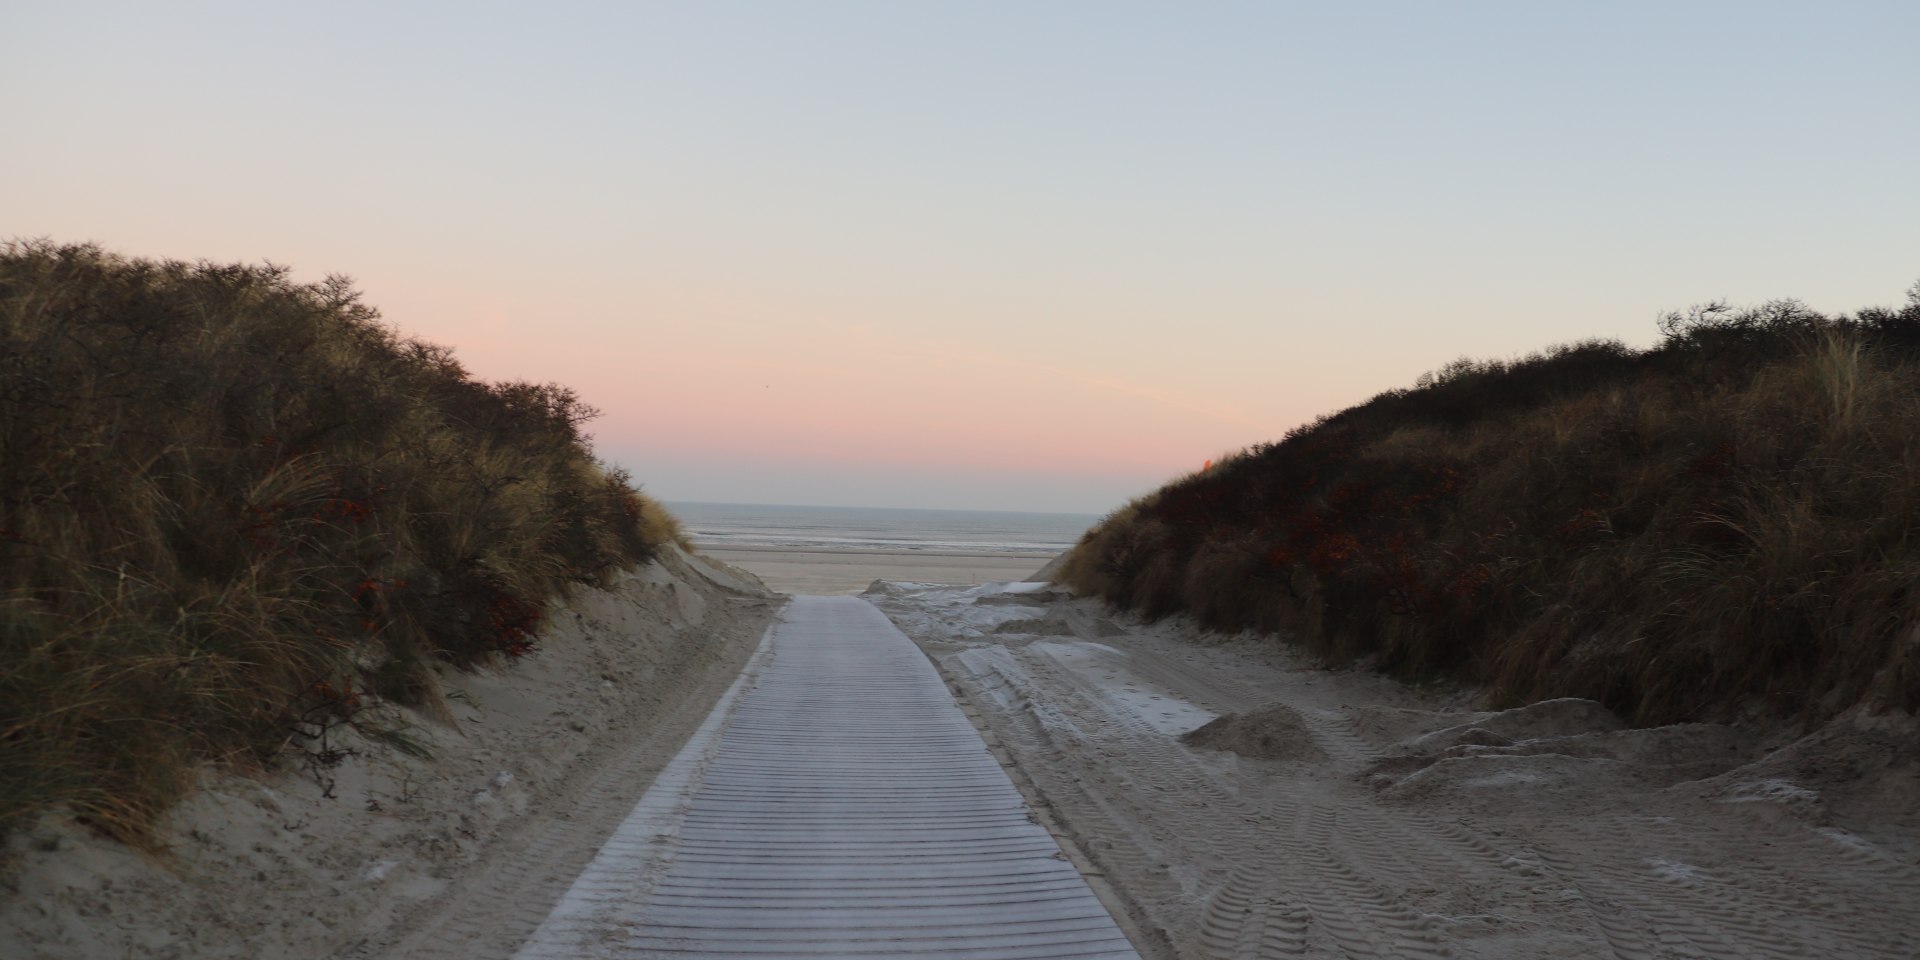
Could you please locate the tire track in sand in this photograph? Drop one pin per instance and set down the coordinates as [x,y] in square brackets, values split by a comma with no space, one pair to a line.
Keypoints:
[1283,854]
[1330,882]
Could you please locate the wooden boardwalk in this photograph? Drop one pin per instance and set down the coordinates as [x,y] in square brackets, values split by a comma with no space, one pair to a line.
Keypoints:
[836,804]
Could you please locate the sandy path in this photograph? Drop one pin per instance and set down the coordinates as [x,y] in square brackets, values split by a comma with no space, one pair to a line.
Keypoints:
[835,803]
[1336,814]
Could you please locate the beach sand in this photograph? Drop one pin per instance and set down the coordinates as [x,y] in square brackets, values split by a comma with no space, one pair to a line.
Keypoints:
[825,571]
[1225,796]
[1235,798]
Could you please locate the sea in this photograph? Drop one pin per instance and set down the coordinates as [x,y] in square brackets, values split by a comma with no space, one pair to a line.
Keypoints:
[879,528]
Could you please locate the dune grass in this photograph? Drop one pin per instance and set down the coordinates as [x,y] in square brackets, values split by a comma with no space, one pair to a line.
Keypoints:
[230,502]
[1727,524]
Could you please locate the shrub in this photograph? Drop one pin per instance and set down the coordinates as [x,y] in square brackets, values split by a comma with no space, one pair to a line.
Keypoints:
[229,501]
[1720,524]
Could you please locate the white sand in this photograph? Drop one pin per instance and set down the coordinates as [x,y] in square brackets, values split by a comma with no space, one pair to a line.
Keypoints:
[1337,813]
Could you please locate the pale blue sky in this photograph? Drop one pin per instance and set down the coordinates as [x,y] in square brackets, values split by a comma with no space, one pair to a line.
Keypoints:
[1034,255]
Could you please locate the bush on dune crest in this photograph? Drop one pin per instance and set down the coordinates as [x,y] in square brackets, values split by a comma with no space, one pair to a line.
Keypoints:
[1728,522]
[229,501]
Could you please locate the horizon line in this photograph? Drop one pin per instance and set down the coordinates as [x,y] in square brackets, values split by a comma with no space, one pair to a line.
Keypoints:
[833,506]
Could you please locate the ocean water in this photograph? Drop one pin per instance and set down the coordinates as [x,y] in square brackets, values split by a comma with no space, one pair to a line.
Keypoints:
[875,528]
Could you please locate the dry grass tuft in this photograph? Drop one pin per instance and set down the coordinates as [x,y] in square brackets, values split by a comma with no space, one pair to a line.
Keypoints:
[233,506]
[1723,524]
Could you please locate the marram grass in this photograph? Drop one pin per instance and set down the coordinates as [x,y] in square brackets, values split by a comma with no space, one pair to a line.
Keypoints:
[1725,525]
[230,502]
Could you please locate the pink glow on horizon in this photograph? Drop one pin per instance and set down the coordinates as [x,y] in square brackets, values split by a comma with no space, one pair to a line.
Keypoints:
[821,412]
[952,255]
[805,390]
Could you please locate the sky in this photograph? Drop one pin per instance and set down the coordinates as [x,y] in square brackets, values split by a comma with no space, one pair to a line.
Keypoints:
[1017,255]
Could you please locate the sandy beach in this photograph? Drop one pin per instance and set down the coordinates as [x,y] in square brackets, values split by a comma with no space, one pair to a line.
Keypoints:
[829,571]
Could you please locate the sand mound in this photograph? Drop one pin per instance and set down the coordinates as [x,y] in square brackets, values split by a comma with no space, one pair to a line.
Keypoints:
[1272,733]
[1033,598]
[1848,752]
[1548,718]
[1041,627]
[1381,724]
[1857,777]
[1527,780]
[1655,757]
[1568,742]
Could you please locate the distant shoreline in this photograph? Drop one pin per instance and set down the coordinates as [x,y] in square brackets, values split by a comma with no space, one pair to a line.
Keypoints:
[1038,556]
[1076,514]
[826,570]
